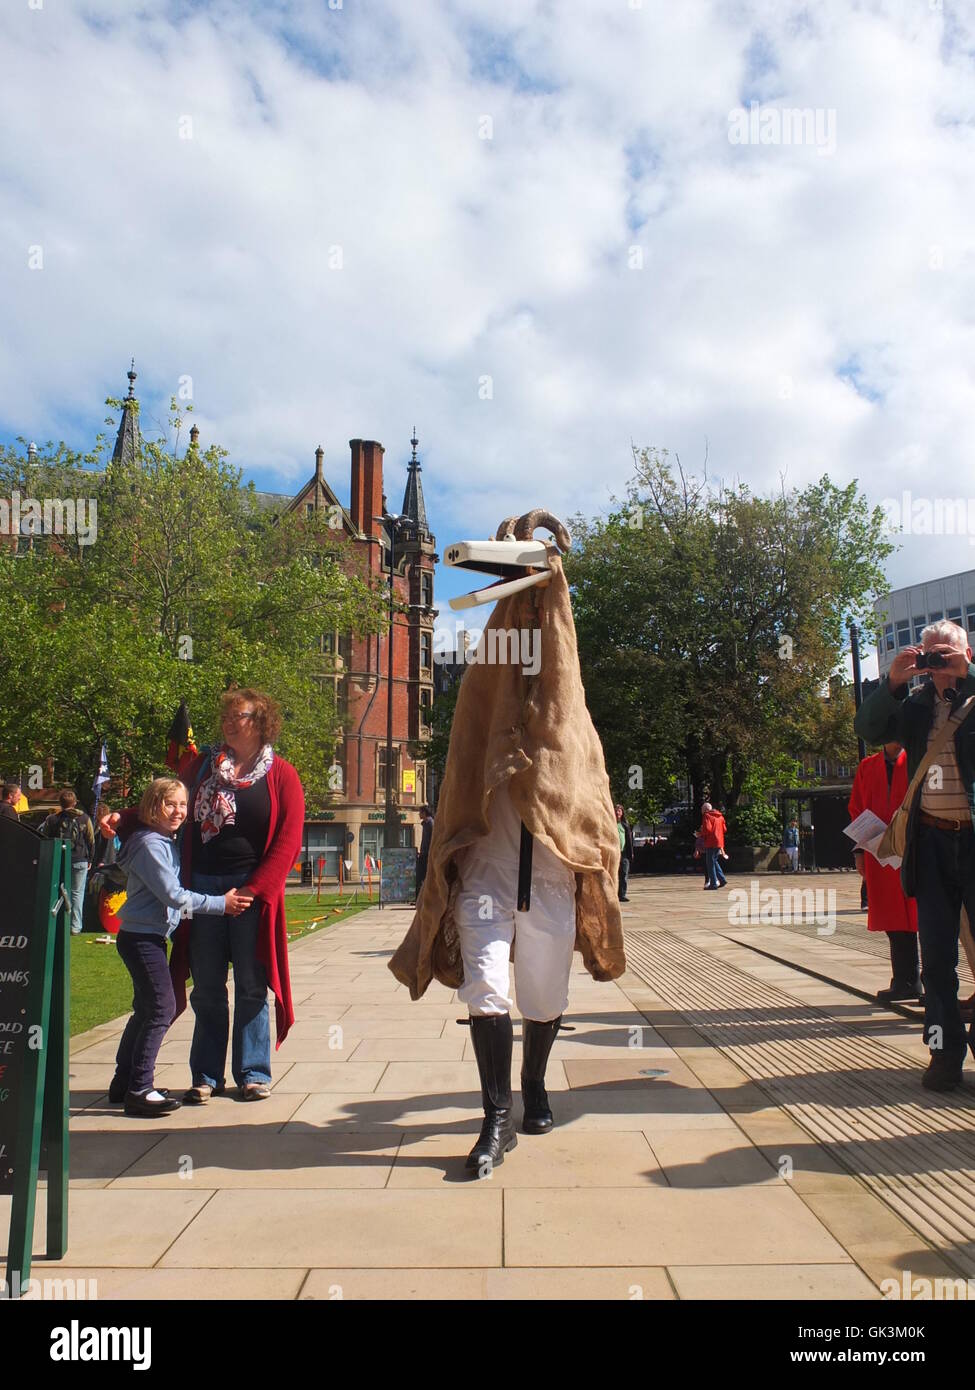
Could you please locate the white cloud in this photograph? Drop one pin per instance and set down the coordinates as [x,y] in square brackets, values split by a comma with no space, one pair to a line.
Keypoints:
[767,268]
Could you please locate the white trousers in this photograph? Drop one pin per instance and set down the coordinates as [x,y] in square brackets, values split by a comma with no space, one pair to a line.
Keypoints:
[544,938]
[793,852]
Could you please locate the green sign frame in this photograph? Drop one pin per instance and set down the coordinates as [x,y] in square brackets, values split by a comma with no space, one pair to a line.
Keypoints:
[41,1137]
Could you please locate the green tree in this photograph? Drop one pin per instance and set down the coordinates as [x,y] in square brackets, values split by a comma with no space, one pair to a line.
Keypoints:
[189,587]
[710,621]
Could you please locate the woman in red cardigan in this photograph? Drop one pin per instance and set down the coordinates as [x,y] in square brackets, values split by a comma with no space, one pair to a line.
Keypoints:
[244,826]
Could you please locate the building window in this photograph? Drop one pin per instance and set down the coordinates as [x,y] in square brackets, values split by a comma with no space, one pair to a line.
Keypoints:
[821,767]
[970,618]
[381,772]
[935,617]
[889,637]
[309,509]
[426,589]
[919,625]
[425,706]
[425,650]
[328,643]
[903,633]
[954,616]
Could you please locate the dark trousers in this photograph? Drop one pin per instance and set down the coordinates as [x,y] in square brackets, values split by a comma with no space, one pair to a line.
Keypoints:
[903,957]
[945,880]
[153,1007]
[624,876]
[421,871]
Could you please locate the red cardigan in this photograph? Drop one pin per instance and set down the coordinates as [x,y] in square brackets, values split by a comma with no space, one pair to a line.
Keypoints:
[266,883]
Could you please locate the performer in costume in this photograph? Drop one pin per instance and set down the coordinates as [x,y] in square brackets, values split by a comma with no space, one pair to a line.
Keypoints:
[524,855]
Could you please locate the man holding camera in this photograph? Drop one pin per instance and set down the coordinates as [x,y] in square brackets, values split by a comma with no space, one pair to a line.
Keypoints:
[939,859]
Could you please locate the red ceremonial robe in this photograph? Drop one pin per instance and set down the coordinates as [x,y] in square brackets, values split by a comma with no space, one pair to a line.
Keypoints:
[887,907]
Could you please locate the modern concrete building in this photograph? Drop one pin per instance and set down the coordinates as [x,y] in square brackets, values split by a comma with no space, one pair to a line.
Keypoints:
[903,614]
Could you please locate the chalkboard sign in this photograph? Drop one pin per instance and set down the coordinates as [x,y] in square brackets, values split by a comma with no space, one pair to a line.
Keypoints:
[34,874]
[398,877]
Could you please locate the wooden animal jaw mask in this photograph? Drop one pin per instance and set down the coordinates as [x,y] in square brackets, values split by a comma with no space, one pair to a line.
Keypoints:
[514,555]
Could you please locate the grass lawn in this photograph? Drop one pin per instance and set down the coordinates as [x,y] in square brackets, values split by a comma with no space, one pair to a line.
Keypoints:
[100,985]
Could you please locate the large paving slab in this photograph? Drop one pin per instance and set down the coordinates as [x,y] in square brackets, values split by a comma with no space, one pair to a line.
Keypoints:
[676,1169]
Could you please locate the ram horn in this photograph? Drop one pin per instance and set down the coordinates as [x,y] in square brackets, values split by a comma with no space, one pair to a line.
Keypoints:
[525,527]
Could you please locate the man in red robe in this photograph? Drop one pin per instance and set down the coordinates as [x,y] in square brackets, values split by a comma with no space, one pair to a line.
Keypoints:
[880,785]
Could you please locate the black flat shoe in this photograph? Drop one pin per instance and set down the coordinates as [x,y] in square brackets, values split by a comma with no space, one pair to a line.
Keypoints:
[143,1106]
[901,992]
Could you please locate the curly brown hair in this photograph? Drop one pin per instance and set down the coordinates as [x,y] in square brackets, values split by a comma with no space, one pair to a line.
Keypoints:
[267,711]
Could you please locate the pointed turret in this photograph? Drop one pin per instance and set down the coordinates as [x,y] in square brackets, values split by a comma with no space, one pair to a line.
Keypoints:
[413,504]
[128,441]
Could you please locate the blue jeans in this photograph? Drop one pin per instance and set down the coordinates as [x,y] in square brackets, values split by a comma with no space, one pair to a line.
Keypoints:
[215,943]
[79,877]
[153,1007]
[945,880]
[714,874]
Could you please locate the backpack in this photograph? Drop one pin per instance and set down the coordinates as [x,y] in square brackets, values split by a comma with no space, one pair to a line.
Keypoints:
[70,825]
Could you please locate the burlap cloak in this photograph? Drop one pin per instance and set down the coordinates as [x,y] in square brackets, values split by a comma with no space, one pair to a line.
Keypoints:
[535,731]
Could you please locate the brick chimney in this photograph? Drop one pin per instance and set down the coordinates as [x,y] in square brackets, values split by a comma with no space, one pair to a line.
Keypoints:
[367,485]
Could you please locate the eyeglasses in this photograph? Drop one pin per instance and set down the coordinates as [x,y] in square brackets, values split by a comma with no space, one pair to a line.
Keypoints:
[239,716]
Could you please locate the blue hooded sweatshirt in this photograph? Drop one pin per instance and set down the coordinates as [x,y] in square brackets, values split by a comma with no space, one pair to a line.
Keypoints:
[155,901]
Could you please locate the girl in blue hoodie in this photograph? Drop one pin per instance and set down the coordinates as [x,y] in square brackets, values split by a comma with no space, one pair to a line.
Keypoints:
[154,905]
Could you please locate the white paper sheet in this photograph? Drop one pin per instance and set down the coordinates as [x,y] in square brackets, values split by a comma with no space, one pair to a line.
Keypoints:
[866,833]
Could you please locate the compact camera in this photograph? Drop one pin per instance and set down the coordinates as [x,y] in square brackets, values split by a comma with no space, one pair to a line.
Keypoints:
[930,661]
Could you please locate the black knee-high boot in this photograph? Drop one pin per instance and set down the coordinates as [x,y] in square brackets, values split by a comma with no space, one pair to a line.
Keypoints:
[537,1044]
[492,1036]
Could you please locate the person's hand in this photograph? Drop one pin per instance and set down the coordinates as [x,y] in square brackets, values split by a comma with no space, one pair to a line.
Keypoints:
[236,901]
[108,822]
[902,667]
[723,855]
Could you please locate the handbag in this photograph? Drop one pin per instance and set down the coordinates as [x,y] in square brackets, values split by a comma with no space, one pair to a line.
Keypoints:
[894,839]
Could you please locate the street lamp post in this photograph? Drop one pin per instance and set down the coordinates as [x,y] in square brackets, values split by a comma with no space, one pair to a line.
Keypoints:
[391,825]
[857,686]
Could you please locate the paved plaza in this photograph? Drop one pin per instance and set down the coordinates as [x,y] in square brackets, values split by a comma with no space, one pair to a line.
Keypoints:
[734,1119]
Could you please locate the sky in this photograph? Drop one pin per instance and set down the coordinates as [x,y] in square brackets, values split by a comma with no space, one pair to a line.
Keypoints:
[540,231]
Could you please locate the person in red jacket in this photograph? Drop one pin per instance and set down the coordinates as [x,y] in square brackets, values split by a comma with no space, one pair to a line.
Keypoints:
[712,834]
[244,827]
[880,785]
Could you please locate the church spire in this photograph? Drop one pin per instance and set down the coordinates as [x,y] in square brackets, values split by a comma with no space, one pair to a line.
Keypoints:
[413,504]
[128,441]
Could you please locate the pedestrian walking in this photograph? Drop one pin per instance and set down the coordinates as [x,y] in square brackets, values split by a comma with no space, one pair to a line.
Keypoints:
[712,832]
[423,854]
[73,824]
[790,843]
[938,864]
[626,853]
[154,906]
[879,786]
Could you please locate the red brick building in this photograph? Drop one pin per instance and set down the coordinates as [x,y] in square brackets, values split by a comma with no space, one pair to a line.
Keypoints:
[351,827]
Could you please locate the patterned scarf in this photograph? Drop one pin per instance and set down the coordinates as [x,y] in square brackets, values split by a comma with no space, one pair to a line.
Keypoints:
[216,805]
